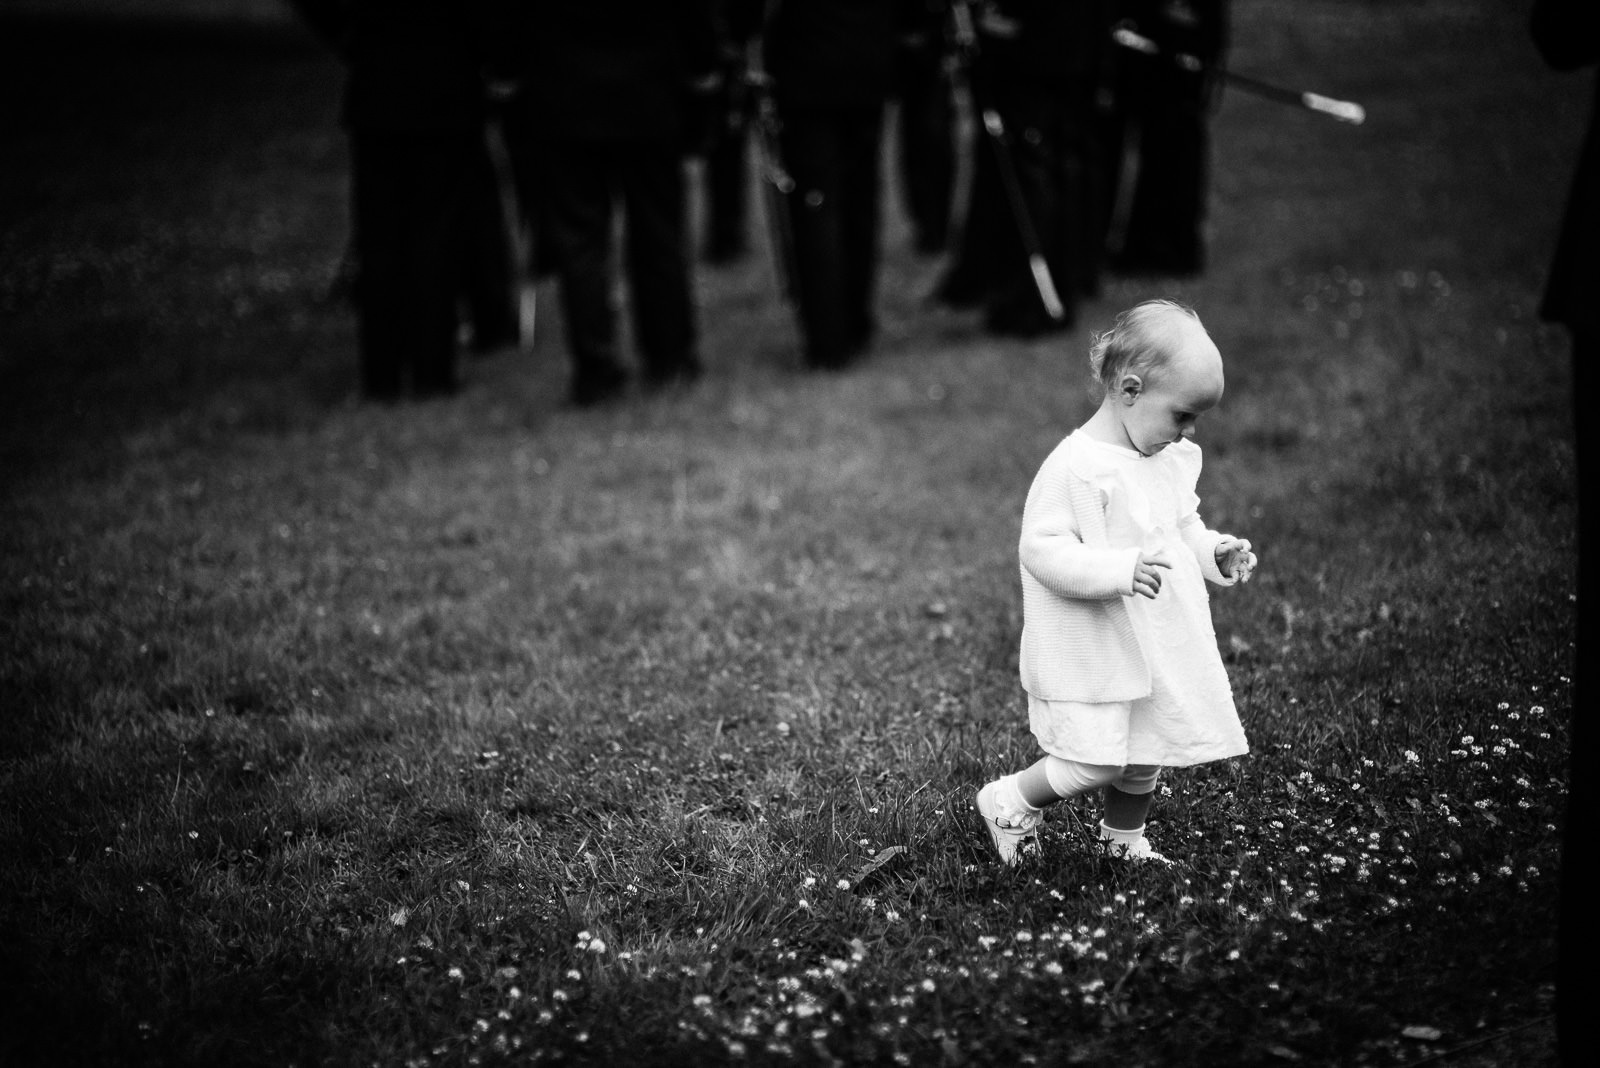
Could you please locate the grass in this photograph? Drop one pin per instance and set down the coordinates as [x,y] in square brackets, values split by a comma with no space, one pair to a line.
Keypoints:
[489,731]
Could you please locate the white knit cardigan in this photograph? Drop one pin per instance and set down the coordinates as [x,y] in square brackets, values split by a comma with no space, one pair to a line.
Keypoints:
[1078,640]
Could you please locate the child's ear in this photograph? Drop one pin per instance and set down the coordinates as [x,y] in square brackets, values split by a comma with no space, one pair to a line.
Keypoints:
[1129,388]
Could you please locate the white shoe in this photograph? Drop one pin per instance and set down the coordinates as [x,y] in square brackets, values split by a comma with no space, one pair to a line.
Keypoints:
[1139,850]
[1013,830]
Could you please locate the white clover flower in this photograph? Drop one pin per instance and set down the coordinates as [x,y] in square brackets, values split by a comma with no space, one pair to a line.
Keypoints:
[843,884]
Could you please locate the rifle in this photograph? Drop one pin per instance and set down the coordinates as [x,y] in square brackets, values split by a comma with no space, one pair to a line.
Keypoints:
[1343,110]
[965,39]
[777,183]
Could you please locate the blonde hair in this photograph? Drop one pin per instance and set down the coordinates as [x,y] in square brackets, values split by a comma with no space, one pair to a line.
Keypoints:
[1138,342]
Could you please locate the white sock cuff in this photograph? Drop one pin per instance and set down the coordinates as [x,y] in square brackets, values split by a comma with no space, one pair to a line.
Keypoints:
[1013,793]
[1120,836]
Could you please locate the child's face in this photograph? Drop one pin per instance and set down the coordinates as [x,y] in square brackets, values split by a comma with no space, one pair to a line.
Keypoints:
[1163,406]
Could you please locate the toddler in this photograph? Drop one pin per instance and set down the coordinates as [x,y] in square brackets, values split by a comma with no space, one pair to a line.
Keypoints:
[1119,659]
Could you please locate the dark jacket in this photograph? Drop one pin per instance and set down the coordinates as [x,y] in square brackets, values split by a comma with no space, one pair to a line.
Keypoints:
[616,70]
[834,53]
[413,65]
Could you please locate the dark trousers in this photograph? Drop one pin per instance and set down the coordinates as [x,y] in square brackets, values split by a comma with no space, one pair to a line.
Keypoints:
[410,192]
[970,278]
[927,137]
[1164,114]
[1052,149]
[727,179]
[833,156]
[583,183]
[488,282]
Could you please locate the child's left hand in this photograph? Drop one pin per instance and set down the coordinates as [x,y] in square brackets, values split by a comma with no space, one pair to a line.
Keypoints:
[1235,559]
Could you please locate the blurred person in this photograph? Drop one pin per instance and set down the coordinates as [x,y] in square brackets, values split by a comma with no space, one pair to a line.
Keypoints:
[415,106]
[1038,65]
[832,68]
[926,131]
[1046,59]
[1119,659]
[1567,34]
[1162,106]
[611,88]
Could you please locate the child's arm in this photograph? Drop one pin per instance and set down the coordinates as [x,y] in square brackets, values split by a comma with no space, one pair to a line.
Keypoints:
[1052,550]
[1065,565]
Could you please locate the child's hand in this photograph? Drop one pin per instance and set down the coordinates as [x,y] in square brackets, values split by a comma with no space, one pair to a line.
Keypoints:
[1147,574]
[1235,559]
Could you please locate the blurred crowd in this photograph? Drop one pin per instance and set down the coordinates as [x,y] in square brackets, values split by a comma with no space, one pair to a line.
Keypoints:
[497,142]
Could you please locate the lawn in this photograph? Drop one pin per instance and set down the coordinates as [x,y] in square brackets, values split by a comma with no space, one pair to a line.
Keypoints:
[492,731]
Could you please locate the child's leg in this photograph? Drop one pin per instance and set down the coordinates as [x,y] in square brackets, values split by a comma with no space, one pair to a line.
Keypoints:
[1128,798]
[1127,803]
[1053,779]
[1011,806]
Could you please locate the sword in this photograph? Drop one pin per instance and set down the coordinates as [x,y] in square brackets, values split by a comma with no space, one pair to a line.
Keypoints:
[966,40]
[1343,110]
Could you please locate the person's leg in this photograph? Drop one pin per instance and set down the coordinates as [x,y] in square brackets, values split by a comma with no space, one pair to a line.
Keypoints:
[377,182]
[811,148]
[488,281]
[927,142]
[1012,806]
[652,184]
[727,179]
[861,136]
[1127,801]
[1127,804]
[578,188]
[441,182]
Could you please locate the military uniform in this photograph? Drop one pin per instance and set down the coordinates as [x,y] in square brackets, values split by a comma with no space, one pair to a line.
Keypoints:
[927,125]
[415,107]
[1039,65]
[607,84]
[832,66]
[1163,108]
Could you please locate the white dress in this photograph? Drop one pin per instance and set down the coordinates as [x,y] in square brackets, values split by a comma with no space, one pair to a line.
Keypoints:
[1189,716]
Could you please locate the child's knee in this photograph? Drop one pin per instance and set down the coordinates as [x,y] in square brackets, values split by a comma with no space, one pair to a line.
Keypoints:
[1069,778]
[1138,778]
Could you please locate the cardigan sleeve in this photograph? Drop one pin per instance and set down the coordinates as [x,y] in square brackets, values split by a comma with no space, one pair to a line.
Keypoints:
[1053,550]
[1200,539]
